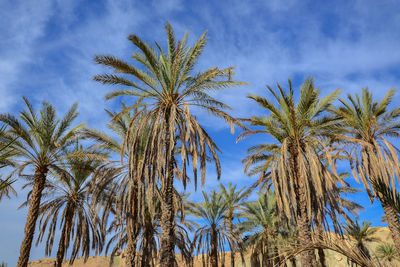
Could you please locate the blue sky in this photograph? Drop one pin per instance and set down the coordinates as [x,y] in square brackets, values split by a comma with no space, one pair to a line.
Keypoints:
[47,49]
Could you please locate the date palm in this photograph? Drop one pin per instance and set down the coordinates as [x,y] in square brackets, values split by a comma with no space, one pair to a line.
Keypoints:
[361,234]
[261,223]
[149,233]
[212,236]
[126,193]
[387,253]
[122,200]
[67,202]
[165,88]
[41,143]
[234,199]
[6,153]
[367,124]
[296,161]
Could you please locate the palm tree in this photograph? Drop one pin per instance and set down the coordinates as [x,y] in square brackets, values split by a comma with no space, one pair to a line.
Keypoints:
[361,234]
[211,237]
[6,187]
[296,162]
[149,232]
[387,253]
[41,143]
[126,197]
[6,153]
[261,224]
[234,199]
[164,91]
[67,200]
[367,124]
[122,200]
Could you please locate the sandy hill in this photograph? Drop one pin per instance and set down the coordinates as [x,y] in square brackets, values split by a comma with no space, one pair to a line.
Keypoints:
[333,259]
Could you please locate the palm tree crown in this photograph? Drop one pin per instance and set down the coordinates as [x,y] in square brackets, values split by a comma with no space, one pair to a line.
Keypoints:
[164,88]
[67,200]
[41,144]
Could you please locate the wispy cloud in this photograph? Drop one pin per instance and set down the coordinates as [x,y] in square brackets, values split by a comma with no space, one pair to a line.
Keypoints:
[47,47]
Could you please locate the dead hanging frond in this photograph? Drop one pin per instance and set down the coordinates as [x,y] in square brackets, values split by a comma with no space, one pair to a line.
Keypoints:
[333,242]
[366,125]
[303,158]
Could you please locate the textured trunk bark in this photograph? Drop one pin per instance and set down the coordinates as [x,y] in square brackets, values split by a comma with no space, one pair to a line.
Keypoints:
[255,260]
[305,238]
[392,218]
[363,249]
[131,246]
[214,249]
[33,213]
[303,221]
[321,256]
[167,249]
[231,245]
[132,229]
[293,262]
[320,230]
[64,239]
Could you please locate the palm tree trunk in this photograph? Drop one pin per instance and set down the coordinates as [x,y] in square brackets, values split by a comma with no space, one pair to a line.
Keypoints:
[167,249]
[64,239]
[305,237]
[231,245]
[293,262]
[321,252]
[321,256]
[33,214]
[131,246]
[132,228]
[214,248]
[303,221]
[392,218]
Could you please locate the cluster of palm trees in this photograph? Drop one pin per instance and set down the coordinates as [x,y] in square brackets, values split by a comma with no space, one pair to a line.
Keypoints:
[77,186]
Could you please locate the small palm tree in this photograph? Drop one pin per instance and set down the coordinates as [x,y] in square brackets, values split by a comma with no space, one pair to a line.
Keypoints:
[211,237]
[67,201]
[367,124]
[41,144]
[296,162]
[361,234]
[234,200]
[261,225]
[165,88]
[386,253]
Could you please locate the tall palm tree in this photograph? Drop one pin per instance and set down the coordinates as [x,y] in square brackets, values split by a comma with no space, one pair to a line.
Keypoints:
[261,223]
[67,201]
[296,162]
[149,233]
[165,88]
[126,193]
[234,199]
[122,200]
[361,234]
[367,124]
[211,237]
[41,143]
